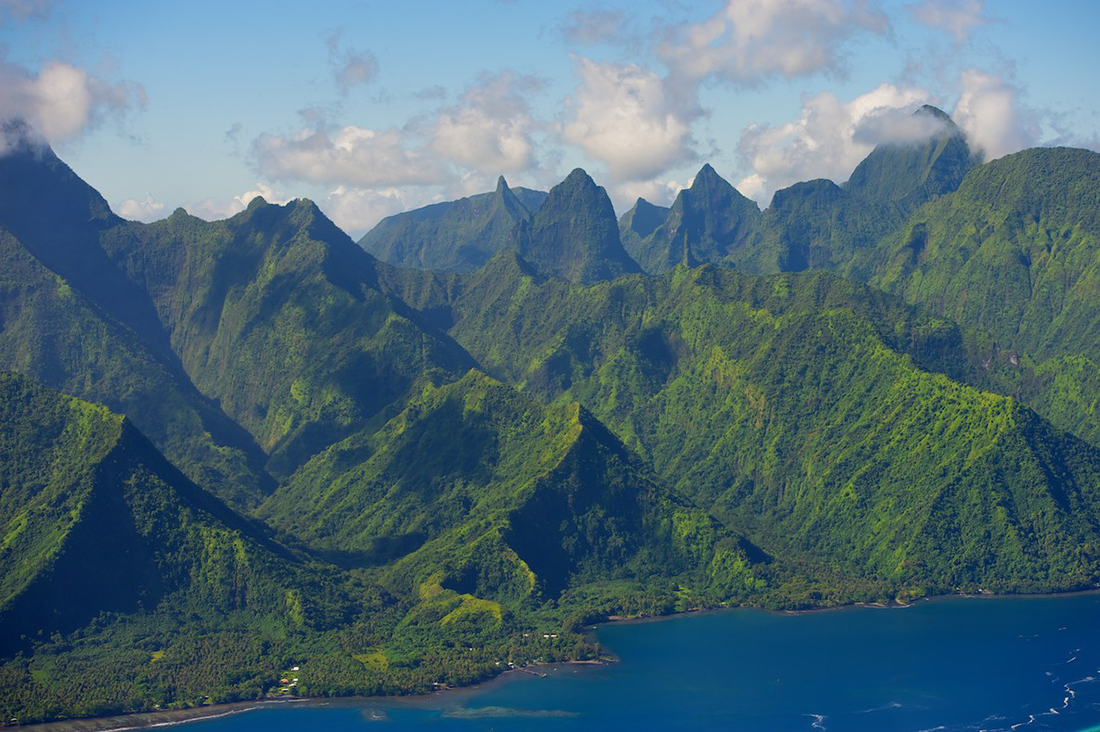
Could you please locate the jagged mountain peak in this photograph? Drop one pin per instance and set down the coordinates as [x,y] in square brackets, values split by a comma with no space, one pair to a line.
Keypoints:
[926,158]
[578,188]
[716,190]
[705,222]
[707,175]
[453,236]
[575,235]
[642,219]
[931,111]
[578,176]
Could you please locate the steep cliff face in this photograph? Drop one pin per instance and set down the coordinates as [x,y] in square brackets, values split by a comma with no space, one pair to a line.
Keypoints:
[575,236]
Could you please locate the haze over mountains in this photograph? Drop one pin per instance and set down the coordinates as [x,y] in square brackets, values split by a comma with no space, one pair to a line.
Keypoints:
[525,415]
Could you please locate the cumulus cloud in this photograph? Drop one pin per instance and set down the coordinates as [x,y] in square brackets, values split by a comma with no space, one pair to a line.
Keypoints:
[213,210]
[750,40]
[829,138]
[61,100]
[357,210]
[630,119]
[349,66]
[490,130]
[660,192]
[993,116]
[897,126]
[145,210]
[959,18]
[351,155]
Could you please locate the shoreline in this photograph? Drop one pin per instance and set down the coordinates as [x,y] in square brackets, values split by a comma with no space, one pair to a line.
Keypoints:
[173,717]
[616,619]
[159,718]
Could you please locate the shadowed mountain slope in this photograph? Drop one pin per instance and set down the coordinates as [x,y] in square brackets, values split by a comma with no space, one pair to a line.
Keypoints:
[574,234]
[455,236]
[69,318]
[705,223]
[94,520]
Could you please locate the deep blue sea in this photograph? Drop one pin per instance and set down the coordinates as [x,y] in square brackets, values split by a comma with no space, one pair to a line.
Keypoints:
[950,664]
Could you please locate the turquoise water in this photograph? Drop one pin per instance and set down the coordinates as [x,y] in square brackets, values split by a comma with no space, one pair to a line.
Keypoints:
[954,664]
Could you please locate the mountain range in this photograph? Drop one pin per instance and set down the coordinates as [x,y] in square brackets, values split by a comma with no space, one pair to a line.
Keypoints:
[241,446]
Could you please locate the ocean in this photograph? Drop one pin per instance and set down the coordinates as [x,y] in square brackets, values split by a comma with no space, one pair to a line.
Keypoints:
[1027,663]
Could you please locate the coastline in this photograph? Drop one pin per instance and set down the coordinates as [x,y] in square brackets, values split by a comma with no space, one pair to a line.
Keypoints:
[617,619]
[159,718]
[444,697]
[452,696]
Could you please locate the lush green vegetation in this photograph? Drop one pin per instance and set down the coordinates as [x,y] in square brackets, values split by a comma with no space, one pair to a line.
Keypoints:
[1013,252]
[73,321]
[275,314]
[792,407]
[424,477]
[477,488]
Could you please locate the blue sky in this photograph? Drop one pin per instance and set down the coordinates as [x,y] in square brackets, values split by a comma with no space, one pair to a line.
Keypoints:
[372,108]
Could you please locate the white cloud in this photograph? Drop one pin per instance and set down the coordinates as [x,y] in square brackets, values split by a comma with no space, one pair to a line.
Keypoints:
[956,17]
[490,130]
[215,210]
[349,66]
[750,40]
[991,113]
[352,156]
[828,139]
[897,126]
[659,192]
[145,210]
[357,210]
[630,119]
[61,100]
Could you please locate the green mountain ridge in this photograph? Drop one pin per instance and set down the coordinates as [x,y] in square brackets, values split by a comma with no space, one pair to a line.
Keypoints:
[275,314]
[705,222]
[435,468]
[77,337]
[495,495]
[575,235]
[95,520]
[791,407]
[455,236]
[1012,254]
[1025,217]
